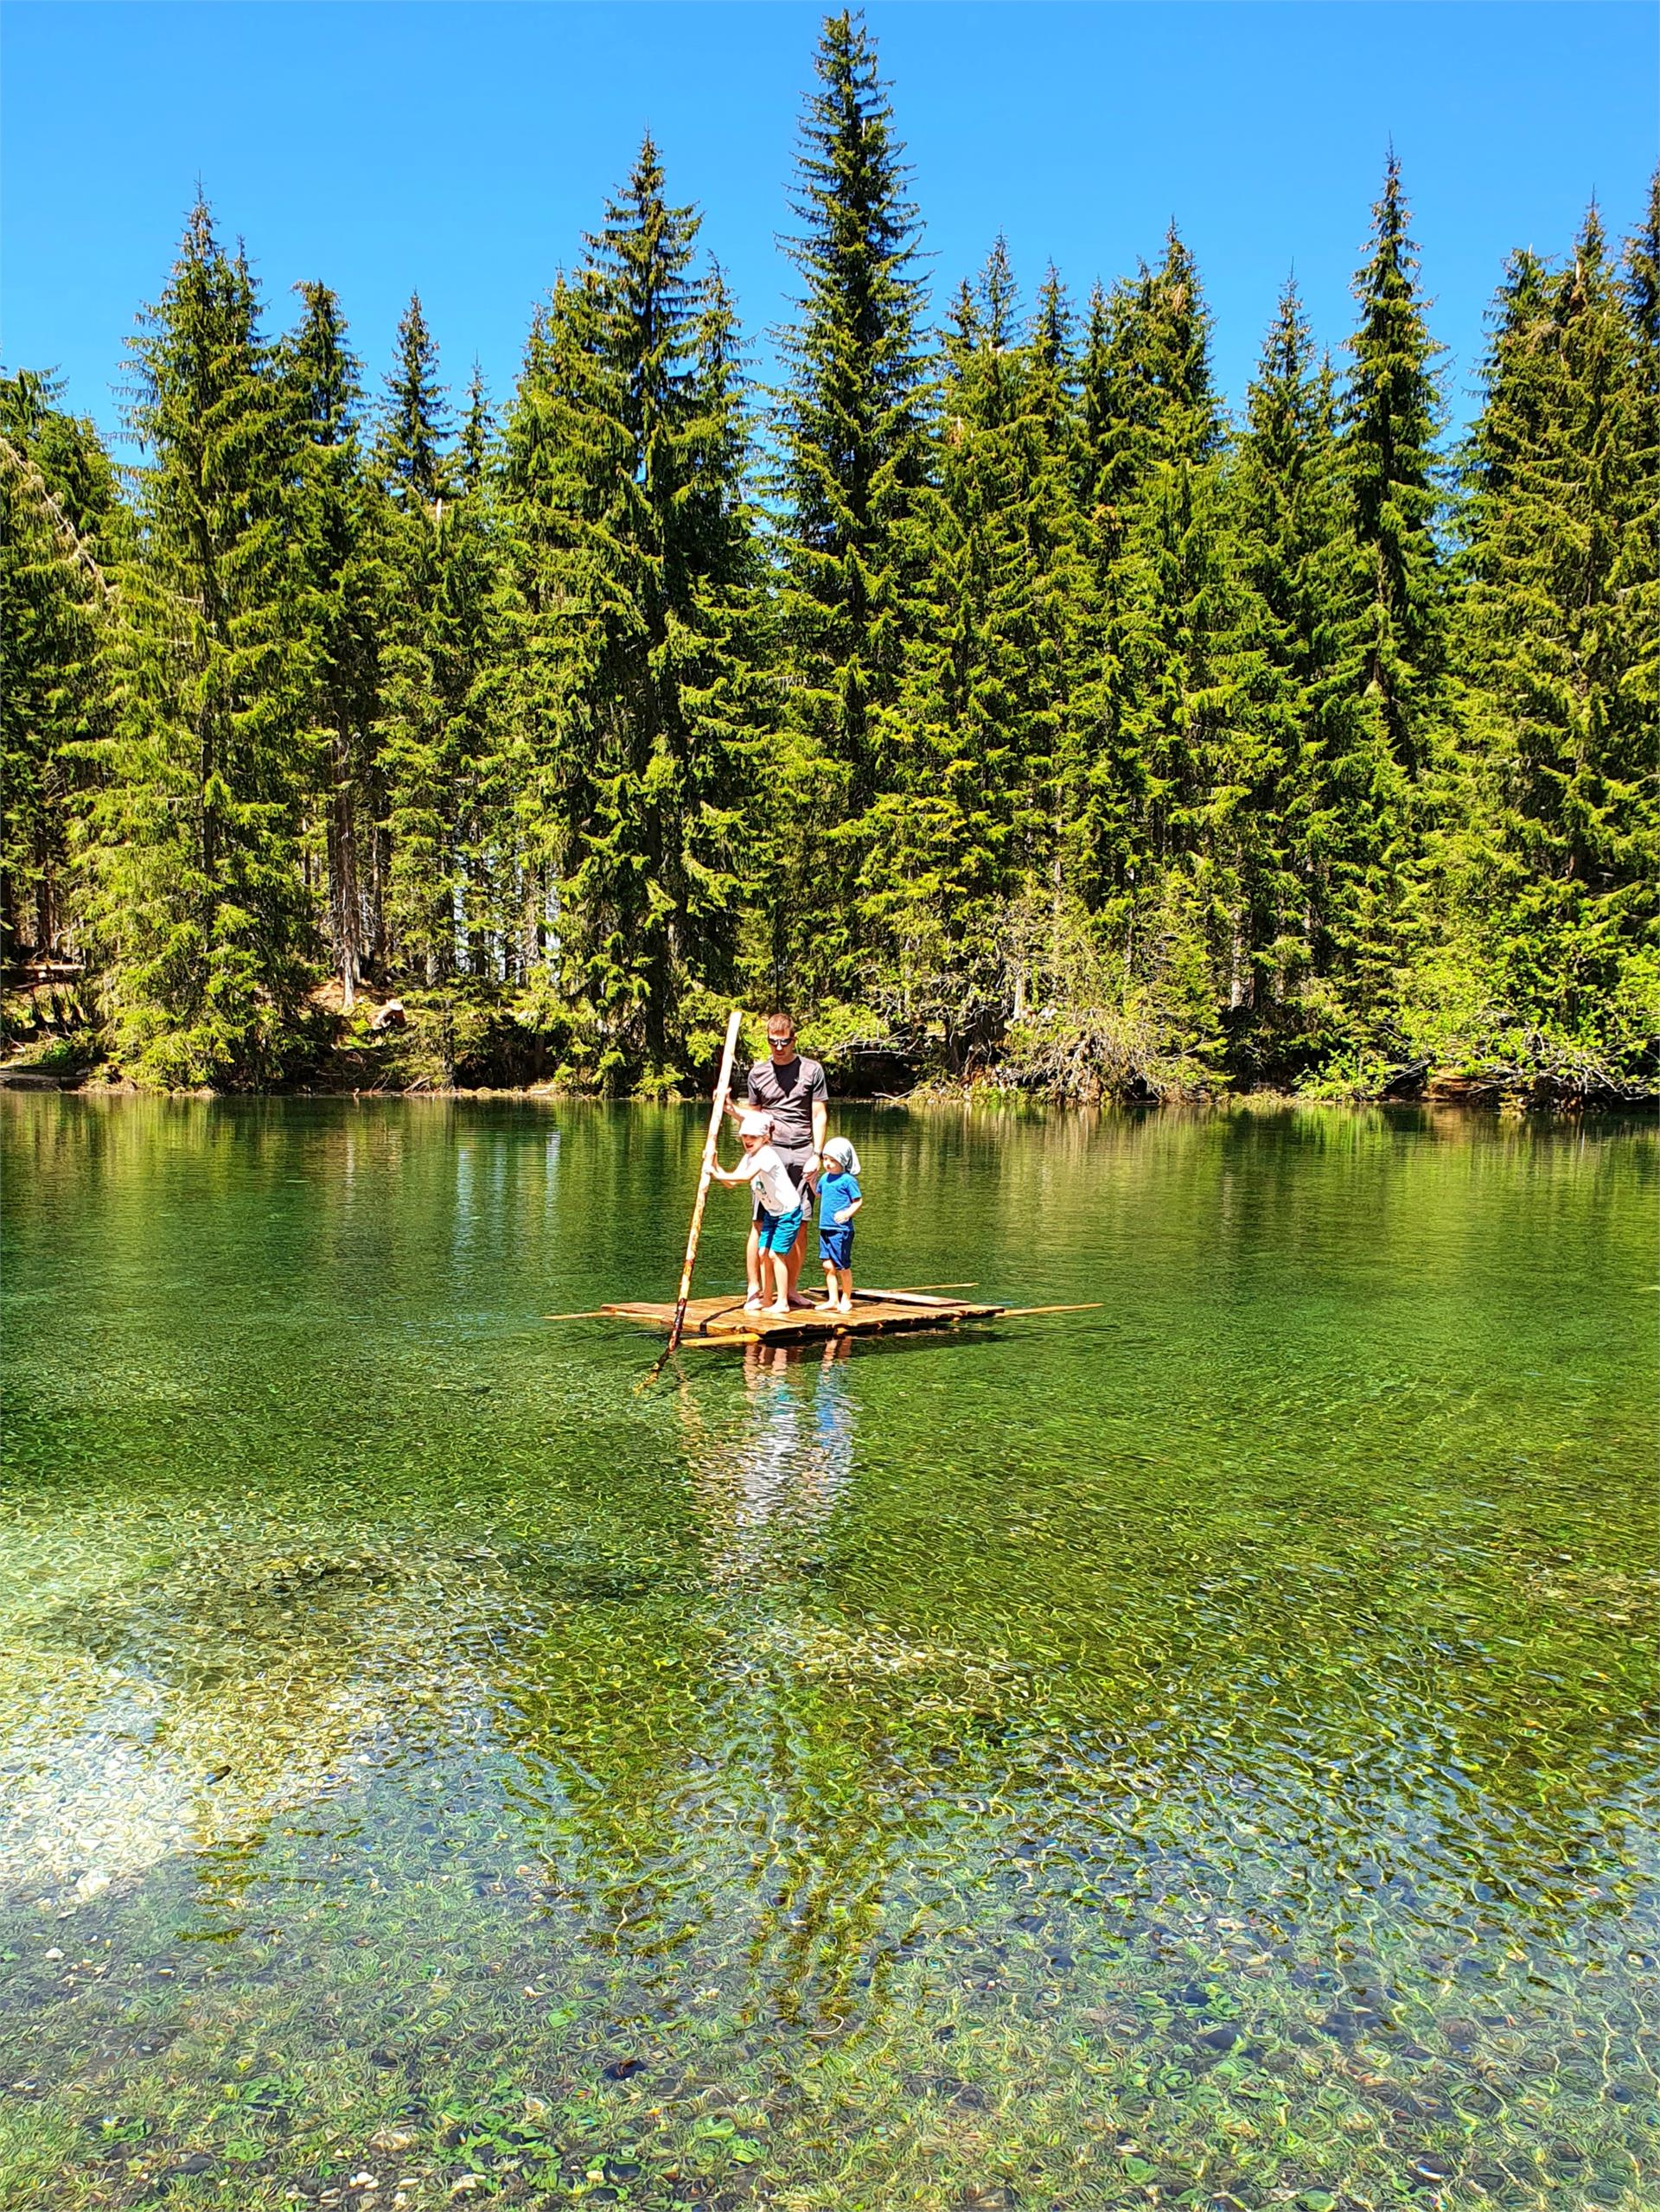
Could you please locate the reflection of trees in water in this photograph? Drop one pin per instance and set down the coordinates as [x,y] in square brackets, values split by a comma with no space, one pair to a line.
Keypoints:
[734,1795]
[810,1777]
[1287,1616]
[1249,1711]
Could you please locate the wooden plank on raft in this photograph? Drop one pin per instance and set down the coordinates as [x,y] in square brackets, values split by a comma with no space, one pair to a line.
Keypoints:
[607,1313]
[725,1320]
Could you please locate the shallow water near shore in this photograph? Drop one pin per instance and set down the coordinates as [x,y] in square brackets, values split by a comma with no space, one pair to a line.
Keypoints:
[1197,1751]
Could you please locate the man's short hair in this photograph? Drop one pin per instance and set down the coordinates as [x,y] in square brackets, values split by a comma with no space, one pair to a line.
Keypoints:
[780,1020]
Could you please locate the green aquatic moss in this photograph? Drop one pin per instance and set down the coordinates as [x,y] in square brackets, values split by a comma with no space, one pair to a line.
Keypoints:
[1186,1753]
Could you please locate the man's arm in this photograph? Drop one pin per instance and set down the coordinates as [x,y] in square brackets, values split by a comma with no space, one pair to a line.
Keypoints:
[820,1116]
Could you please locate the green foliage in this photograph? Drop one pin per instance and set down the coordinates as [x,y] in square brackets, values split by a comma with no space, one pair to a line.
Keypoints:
[1561,610]
[1288,509]
[61,529]
[852,467]
[1375,728]
[197,906]
[635,619]
[343,582]
[427,734]
[1014,713]
[968,824]
[1136,1017]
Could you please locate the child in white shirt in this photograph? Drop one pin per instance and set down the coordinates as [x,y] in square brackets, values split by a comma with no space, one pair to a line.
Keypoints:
[779,1221]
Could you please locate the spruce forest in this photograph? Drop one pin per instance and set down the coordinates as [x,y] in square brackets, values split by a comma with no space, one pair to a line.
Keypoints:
[985,692]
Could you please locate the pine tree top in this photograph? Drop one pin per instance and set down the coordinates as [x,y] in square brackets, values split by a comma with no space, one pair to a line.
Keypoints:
[326,371]
[1640,283]
[859,232]
[415,427]
[1051,328]
[1394,407]
[477,430]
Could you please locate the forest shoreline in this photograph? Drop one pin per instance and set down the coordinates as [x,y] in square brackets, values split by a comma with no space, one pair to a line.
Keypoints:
[1134,743]
[1533,1097]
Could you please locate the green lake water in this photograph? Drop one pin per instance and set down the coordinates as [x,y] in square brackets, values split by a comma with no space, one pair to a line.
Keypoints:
[1199,1752]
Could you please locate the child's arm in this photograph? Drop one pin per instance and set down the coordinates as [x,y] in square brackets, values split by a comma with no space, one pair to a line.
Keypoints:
[722,1174]
[844,1214]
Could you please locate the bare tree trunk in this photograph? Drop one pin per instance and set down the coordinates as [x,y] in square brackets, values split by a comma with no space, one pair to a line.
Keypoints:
[45,903]
[380,867]
[346,897]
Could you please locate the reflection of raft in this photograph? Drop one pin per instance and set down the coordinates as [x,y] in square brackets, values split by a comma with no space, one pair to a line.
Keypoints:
[875,1313]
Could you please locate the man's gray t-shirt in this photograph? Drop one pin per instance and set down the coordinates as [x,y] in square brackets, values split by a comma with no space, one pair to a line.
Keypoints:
[789,1094]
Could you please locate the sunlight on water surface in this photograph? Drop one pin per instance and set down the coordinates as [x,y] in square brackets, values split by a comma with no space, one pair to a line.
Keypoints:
[1197,1751]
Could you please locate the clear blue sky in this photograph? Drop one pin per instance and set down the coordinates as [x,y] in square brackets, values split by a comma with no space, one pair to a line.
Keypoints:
[463,149]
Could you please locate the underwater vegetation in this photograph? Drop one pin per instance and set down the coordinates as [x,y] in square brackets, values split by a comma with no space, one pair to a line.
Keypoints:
[1196,1753]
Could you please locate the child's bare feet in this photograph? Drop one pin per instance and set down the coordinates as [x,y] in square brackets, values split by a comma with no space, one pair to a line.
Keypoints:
[781,1313]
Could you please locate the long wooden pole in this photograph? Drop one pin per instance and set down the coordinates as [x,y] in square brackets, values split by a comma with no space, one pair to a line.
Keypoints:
[722,1084]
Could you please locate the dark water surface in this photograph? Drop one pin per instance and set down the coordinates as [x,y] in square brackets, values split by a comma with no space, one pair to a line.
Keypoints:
[1198,1752]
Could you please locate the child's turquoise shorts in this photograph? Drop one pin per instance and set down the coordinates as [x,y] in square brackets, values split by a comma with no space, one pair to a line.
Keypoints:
[777,1232]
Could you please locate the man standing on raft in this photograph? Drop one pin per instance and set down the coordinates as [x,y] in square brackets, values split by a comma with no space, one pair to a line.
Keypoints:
[794,1092]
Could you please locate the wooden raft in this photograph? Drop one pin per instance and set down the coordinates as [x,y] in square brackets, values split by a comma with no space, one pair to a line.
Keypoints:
[875,1313]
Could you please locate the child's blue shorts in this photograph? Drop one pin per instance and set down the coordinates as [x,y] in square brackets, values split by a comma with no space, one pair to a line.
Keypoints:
[836,1245]
[777,1232]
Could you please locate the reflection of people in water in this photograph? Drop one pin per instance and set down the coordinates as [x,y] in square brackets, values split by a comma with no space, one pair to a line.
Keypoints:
[777,1479]
[833,1412]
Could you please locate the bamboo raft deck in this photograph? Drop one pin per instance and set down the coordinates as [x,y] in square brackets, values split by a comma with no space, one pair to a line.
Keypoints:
[723,1321]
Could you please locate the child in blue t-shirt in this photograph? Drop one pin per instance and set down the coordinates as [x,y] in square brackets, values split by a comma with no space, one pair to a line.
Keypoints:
[839,1199]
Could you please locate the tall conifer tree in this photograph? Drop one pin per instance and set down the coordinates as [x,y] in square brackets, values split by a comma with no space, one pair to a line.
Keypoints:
[343,608]
[1371,759]
[61,535]
[1561,620]
[961,841]
[1286,502]
[1641,287]
[849,430]
[473,683]
[1391,415]
[416,733]
[539,494]
[198,905]
[635,583]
